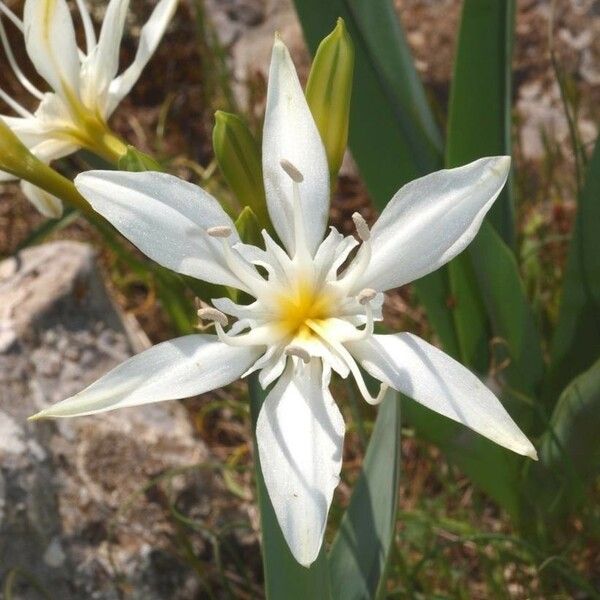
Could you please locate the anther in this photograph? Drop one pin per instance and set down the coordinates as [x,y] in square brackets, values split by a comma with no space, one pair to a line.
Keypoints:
[291,170]
[361,227]
[299,352]
[221,231]
[212,314]
[365,296]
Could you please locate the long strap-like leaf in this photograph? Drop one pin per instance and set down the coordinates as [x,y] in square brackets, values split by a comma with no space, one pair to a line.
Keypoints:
[576,342]
[361,549]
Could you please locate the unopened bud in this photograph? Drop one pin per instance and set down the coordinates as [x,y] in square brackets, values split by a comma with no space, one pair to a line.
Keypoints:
[329,90]
[238,155]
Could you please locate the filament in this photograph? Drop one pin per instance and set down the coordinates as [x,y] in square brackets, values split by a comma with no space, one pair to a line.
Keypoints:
[15,67]
[88,26]
[351,363]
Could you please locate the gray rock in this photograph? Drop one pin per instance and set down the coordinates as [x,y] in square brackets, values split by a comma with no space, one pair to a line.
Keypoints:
[65,484]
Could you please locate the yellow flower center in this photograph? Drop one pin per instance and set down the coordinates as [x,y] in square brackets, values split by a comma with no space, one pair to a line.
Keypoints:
[301,305]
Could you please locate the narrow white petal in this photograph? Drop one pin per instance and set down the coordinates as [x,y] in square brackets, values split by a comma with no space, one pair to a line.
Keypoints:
[50,43]
[150,37]
[431,220]
[102,63]
[290,134]
[300,434]
[49,205]
[165,217]
[179,368]
[431,377]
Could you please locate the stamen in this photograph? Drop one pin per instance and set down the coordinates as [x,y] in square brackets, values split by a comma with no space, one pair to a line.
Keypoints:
[362,229]
[21,111]
[301,251]
[15,67]
[365,296]
[212,314]
[259,336]
[351,363]
[88,27]
[11,16]
[221,231]
[299,352]
[292,171]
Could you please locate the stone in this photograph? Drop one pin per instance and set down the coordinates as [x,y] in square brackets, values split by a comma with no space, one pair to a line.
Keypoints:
[65,486]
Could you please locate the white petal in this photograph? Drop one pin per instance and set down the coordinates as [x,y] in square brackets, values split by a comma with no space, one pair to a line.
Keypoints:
[165,217]
[429,376]
[179,368]
[51,45]
[49,205]
[101,65]
[150,37]
[431,220]
[290,133]
[300,434]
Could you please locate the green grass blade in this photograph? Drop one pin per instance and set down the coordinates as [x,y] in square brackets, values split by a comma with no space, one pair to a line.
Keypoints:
[480,99]
[285,579]
[576,342]
[361,549]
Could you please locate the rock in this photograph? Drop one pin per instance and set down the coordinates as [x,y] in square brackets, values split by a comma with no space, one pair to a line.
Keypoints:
[65,486]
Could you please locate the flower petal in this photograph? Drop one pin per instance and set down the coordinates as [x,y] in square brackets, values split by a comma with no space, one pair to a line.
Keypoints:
[166,218]
[150,37]
[429,376]
[48,205]
[51,45]
[290,133]
[431,220]
[179,368]
[102,63]
[300,434]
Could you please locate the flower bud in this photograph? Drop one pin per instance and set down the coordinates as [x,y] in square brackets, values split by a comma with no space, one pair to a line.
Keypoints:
[15,157]
[249,228]
[329,90]
[136,161]
[238,155]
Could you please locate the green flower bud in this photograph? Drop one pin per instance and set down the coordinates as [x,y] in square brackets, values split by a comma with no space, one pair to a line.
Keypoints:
[249,228]
[15,157]
[329,90]
[238,155]
[136,161]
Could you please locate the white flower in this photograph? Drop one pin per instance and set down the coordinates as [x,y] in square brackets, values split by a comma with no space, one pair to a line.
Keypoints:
[85,87]
[308,318]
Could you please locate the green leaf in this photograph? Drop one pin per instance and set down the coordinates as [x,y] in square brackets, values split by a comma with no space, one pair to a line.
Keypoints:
[361,549]
[576,341]
[135,160]
[512,320]
[570,453]
[249,228]
[480,99]
[492,468]
[285,579]
[470,321]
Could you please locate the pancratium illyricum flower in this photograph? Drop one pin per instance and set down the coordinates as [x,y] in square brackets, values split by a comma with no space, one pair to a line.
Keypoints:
[85,88]
[311,314]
